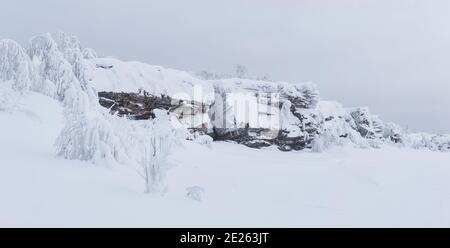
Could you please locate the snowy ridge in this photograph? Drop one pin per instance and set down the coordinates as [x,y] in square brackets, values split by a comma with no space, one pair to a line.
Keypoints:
[73,75]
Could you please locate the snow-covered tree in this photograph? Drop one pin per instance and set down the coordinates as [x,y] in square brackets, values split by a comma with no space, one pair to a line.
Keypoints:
[206,75]
[161,138]
[89,53]
[15,66]
[51,65]
[72,51]
[301,95]
[90,132]
[62,73]
[265,77]
[69,46]
[92,137]
[241,71]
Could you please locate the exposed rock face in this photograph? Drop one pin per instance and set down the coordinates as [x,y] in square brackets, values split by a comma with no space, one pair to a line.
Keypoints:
[301,120]
[140,106]
[220,121]
[134,105]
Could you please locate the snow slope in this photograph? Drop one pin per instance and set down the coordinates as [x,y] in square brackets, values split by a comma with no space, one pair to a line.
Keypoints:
[244,187]
[108,74]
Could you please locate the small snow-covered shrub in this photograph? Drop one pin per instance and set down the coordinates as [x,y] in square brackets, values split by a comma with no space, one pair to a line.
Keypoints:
[430,141]
[204,139]
[16,74]
[195,193]
[301,95]
[393,133]
[161,138]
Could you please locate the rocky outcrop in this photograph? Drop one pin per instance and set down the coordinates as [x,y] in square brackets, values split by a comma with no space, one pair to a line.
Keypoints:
[134,105]
[304,121]
[219,119]
[140,105]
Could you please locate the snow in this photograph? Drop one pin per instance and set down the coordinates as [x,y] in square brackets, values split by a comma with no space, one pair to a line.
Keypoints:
[49,107]
[109,74]
[243,187]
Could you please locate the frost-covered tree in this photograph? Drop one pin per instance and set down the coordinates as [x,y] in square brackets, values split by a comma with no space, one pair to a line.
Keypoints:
[300,95]
[206,75]
[16,74]
[241,71]
[89,53]
[90,132]
[72,51]
[265,77]
[94,137]
[60,78]
[15,66]
[161,138]
[51,65]
[69,46]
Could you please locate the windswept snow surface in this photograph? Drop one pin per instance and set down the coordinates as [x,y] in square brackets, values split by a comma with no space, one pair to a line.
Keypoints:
[243,187]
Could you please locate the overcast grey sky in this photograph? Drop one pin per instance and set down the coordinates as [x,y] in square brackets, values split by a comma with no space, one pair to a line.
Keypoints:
[390,55]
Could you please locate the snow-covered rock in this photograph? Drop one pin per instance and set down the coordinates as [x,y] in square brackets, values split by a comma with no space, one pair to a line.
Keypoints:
[250,112]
